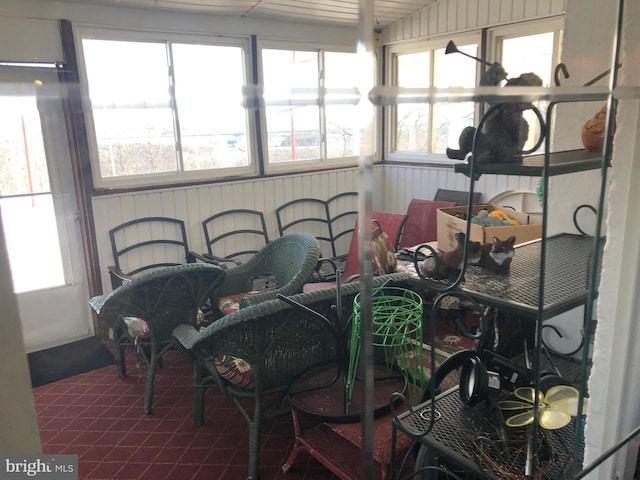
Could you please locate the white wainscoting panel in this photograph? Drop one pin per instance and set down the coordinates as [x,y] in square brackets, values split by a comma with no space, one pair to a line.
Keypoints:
[402,183]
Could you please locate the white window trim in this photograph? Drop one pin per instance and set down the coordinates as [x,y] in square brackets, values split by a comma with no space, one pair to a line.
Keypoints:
[496,35]
[82,32]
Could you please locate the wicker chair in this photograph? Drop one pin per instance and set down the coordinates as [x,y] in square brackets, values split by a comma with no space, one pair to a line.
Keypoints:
[282,266]
[271,343]
[144,311]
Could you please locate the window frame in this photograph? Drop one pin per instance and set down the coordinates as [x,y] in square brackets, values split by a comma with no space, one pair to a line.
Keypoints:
[496,35]
[183,176]
[391,75]
[304,165]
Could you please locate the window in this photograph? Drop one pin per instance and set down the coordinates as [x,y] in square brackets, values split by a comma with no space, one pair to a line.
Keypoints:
[534,47]
[310,112]
[424,131]
[429,128]
[167,111]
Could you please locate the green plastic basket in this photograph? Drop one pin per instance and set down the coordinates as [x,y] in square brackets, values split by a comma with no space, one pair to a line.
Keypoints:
[397,334]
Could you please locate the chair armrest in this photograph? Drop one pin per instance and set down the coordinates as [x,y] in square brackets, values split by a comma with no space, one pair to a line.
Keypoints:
[257,298]
[118,277]
[97,302]
[186,335]
[326,264]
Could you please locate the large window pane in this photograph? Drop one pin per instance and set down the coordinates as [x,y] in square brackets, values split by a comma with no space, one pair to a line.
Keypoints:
[131,104]
[293,131]
[213,122]
[453,70]
[341,120]
[166,111]
[304,125]
[412,126]
[531,53]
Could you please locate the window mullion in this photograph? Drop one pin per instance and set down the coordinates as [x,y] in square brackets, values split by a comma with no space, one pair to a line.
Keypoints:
[322,108]
[174,109]
[432,76]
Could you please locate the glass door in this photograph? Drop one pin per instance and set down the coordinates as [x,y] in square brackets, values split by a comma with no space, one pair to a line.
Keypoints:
[38,210]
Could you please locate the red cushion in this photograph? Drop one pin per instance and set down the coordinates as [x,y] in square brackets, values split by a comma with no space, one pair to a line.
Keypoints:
[235,370]
[421,226]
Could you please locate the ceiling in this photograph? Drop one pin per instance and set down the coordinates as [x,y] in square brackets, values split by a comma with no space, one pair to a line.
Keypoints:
[331,12]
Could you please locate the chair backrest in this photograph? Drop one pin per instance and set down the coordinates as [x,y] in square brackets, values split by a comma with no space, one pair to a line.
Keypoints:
[330,221]
[164,298]
[290,260]
[224,231]
[458,197]
[391,223]
[520,200]
[342,210]
[148,243]
[422,222]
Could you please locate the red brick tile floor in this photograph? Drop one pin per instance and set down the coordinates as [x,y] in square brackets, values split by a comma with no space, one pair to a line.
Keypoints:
[100,417]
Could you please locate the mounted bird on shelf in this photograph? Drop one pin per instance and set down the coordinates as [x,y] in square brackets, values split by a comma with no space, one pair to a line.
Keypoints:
[503,130]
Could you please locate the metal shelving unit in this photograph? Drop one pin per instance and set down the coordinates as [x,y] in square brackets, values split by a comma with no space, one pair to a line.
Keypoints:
[547,277]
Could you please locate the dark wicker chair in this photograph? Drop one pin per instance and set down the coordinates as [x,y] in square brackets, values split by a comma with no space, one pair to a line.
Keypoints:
[225,231]
[282,266]
[163,299]
[274,342]
[331,221]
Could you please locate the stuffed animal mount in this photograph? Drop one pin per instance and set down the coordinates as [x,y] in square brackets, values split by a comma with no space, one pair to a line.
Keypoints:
[494,256]
[503,130]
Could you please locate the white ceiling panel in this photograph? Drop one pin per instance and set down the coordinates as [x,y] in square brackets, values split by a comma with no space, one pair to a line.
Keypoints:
[336,12]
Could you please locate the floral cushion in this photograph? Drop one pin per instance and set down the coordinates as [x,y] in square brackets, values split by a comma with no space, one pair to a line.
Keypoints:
[235,370]
[229,304]
[138,327]
[384,258]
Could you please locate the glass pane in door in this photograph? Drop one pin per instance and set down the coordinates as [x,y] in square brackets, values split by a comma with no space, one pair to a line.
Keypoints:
[26,202]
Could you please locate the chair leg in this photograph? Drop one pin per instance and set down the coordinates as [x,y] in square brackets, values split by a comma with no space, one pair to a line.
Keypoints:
[298,445]
[254,447]
[148,390]
[197,414]
[254,428]
[118,353]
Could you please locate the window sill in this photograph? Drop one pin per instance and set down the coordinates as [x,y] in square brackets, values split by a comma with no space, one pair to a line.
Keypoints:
[431,159]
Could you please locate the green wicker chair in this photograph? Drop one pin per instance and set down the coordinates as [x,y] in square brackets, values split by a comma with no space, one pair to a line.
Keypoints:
[282,266]
[269,343]
[144,311]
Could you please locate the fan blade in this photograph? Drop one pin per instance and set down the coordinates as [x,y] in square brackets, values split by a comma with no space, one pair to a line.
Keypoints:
[527,394]
[569,406]
[560,392]
[553,420]
[513,405]
[520,419]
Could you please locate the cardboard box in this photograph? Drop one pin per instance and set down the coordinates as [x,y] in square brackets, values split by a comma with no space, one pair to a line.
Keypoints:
[530,227]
